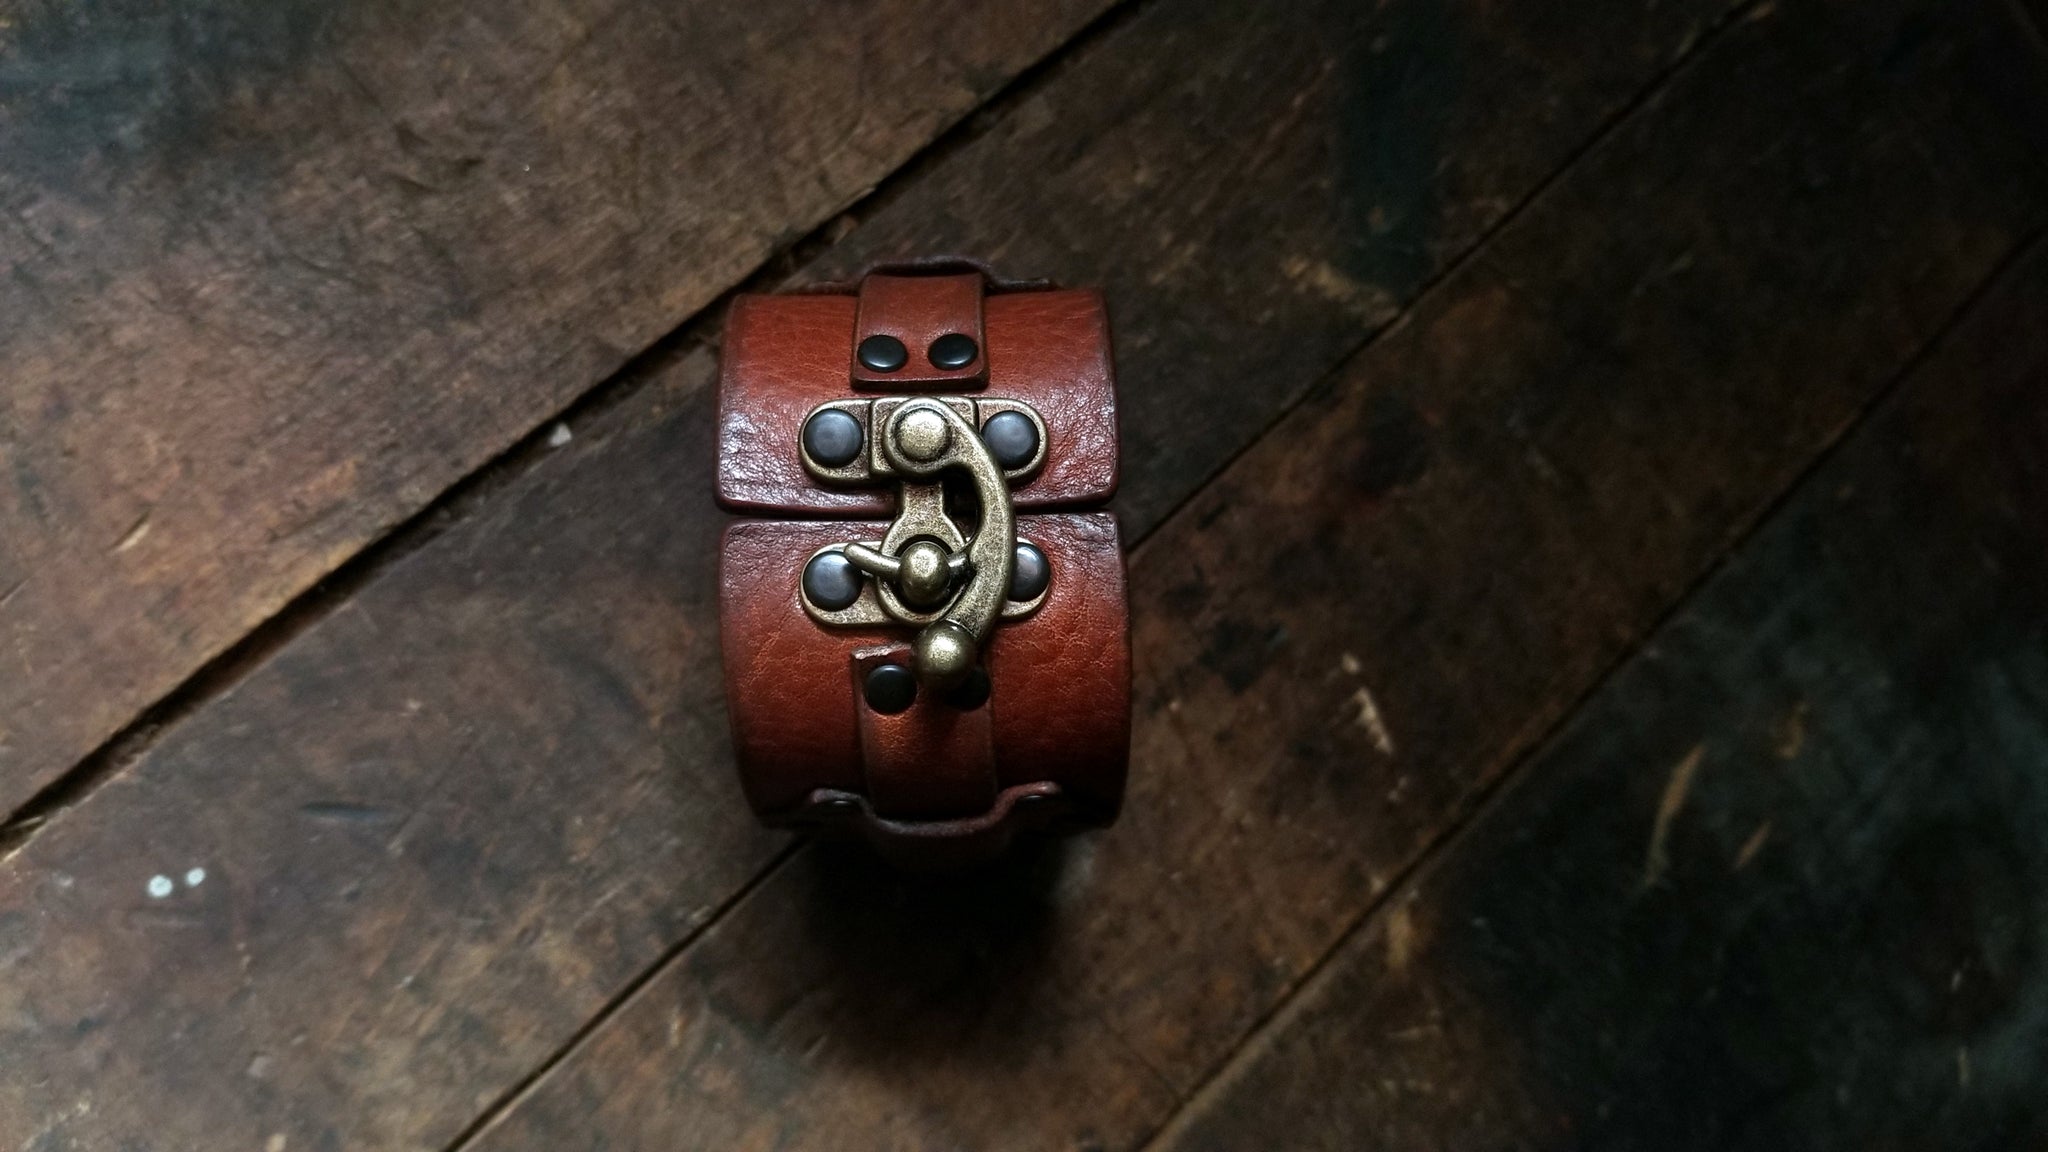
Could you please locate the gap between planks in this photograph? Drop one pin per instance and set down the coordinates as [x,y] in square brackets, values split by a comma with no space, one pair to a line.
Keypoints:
[1328,379]
[474,491]
[1493,795]
[2024,13]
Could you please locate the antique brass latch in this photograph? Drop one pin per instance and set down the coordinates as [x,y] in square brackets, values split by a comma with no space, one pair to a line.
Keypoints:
[925,572]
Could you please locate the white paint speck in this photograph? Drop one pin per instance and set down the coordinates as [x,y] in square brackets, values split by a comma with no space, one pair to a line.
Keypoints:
[195,877]
[1375,725]
[559,435]
[160,887]
[276,1143]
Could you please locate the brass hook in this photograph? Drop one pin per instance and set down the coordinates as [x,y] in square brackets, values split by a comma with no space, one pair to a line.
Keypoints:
[924,555]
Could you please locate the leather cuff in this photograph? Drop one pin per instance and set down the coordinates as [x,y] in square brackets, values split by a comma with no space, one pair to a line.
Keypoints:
[924,626]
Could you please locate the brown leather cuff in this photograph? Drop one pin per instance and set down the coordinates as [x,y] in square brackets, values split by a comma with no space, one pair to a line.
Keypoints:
[940,681]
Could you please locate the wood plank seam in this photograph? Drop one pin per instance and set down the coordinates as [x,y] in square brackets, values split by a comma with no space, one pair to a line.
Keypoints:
[518,1091]
[1755,499]
[474,490]
[1675,68]
[1493,793]
[404,204]
[1657,84]
[346,807]
[2025,15]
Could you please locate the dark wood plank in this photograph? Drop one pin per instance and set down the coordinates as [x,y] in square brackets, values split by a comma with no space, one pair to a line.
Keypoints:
[500,821]
[278,273]
[498,779]
[2037,15]
[1258,191]
[1374,611]
[1784,881]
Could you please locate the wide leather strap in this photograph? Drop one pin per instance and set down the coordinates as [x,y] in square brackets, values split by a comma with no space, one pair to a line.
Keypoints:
[953,775]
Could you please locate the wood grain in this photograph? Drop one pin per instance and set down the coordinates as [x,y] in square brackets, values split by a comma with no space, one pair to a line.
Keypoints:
[444,826]
[280,272]
[1257,188]
[1373,612]
[1827,933]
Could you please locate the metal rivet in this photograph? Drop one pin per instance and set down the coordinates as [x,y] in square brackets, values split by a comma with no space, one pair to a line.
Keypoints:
[1029,574]
[924,577]
[952,351]
[922,434]
[880,353]
[945,654]
[1012,438]
[972,693]
[890,688]
[832,437]
[831,581]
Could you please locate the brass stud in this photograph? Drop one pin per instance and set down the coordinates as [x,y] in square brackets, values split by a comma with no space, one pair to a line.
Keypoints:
[922,434]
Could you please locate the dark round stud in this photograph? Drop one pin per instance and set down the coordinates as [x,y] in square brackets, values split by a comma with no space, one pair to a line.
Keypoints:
[972,692]
[831,581]
[1029,575]
[832,437]
[953,350]
[880,353]
[1012,438]
[890,688]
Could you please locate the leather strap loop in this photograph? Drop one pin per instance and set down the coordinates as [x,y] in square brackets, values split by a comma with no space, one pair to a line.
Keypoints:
[918,312]
[931,761]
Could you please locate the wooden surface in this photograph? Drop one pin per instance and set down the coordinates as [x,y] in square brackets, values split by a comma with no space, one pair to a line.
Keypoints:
[1779,882]
[279,273]
[1638,448]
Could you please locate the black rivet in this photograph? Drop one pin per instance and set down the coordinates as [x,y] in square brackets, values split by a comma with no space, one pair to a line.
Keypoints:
[831,581]
[890,688]
[1029,575]
[953,350]
[880,353]
[972,692]
[832,437]
[1012,438]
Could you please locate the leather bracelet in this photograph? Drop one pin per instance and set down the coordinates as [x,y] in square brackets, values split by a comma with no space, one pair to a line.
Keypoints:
[924,625]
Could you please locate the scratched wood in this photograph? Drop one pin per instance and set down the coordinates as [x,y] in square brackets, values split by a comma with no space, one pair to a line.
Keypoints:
[1256,191]
[440,829]
[279,272]
[1387,601]
[1784,882]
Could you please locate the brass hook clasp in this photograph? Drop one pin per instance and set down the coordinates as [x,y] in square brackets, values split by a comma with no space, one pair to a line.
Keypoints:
[925,572]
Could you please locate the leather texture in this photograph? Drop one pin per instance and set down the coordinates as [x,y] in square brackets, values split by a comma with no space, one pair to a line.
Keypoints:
[1058,710]
[931,761]
[785,355]
[935,784]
